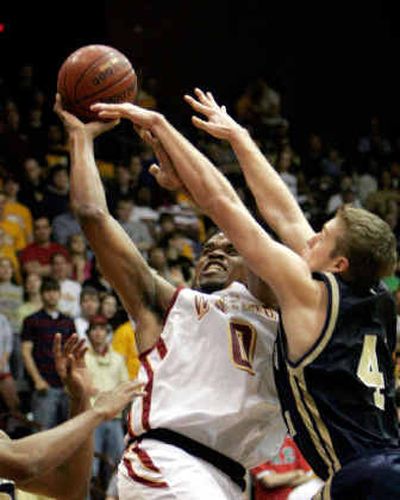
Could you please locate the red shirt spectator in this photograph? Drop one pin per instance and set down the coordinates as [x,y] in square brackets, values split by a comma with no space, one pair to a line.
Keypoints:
[275,479]
[35,258]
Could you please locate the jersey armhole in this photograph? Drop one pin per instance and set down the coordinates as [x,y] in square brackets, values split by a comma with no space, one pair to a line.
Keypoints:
[329,325]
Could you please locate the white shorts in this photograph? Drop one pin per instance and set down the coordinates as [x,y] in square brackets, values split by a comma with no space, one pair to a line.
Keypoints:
[155,470]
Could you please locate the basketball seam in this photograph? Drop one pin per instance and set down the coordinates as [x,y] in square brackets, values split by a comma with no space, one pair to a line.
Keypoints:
[104,89]
[81,76]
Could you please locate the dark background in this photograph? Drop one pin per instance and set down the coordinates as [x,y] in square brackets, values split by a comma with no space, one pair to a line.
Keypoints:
[335,63]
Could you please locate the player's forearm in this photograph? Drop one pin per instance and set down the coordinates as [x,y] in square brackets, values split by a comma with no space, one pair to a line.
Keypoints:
[87,192]
[274,200]
[34,455]
[203,181]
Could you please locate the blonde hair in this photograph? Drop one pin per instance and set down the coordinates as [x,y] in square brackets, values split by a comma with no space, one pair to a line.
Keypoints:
[369,245]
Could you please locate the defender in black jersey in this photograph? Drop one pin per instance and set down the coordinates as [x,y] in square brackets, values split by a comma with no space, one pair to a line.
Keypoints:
[339,398]
[334,373]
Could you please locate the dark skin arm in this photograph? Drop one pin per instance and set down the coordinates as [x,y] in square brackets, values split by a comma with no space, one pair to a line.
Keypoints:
[141,290]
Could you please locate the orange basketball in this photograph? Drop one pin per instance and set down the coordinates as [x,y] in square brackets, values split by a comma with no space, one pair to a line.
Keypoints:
[95,73]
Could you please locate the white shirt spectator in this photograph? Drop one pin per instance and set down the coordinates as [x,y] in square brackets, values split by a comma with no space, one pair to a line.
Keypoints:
[70,296]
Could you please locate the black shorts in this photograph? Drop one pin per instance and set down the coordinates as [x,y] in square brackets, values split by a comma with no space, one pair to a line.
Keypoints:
[373,477]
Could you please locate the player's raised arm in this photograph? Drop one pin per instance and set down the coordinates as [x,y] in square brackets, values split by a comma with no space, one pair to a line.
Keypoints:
[283,269]
[120,261]
[274,200]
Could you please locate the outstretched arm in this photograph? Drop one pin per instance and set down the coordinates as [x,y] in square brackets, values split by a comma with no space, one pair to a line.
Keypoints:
[274,200]
[285,271]
[120,261]
[49,462]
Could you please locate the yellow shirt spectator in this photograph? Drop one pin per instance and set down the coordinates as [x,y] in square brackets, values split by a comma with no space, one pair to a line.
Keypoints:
[21,215]
[124,343]
[14,234]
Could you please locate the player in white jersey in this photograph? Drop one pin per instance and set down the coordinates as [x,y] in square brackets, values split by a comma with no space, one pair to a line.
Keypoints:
[211,406]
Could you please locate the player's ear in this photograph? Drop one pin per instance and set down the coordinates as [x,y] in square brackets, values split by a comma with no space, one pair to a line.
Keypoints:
[341,264]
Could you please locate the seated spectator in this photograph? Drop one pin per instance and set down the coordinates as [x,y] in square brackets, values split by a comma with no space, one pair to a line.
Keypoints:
[119,187]
[279,479]
[79,257]
[107,369]
[49,400]
[90,304]
[137,231]
[346,196]
[8,252]
[35,258]
[14,234]
[284,166]
[32,187]
[57,151]
[32,299]
[56,194]
[8,390]
[15,211]
[385,199]
[10,294]
[64,226]
[70,290]
[109,308]
[124,342]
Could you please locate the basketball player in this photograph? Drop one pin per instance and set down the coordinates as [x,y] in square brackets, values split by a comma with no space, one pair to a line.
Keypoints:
[58,462]
[333,363]
[206,356]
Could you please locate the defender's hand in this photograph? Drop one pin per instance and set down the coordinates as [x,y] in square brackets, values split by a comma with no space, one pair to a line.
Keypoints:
[218,124]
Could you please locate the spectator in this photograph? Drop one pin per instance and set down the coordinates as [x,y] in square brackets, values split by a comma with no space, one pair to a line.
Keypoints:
[49,400]
[90,304]
[8,391]
[346,196]
[136,230]
[64,226]
[15,211]
[109,308]
[120,187]
[10,294]
[14,234]
[56,194]
[32,303]
[32,298]
[32,187]
[80,262]
[35,258]
[284,166]
[8,252]
[278,479]
[70,289]
[124,342]
[385,199]
[107,369]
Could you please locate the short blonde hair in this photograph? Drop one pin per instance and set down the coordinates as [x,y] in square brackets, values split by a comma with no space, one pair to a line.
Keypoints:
[369,245]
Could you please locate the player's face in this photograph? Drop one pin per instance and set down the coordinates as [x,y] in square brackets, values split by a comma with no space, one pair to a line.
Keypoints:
[219,264]
[320,247]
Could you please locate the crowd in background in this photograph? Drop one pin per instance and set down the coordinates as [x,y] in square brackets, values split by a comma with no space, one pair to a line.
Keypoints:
[49,279]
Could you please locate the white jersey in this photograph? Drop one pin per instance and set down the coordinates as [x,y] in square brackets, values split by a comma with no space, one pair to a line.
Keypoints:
[210,375]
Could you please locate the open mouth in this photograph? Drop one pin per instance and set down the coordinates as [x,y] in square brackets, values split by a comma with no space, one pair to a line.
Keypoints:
[215,266]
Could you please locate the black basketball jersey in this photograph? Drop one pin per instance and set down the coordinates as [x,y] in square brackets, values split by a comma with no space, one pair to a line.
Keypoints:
[338,399]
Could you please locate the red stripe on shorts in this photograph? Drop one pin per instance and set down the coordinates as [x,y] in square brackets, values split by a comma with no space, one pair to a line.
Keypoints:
[143,480]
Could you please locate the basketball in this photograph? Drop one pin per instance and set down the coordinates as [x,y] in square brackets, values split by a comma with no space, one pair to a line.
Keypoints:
[95,73]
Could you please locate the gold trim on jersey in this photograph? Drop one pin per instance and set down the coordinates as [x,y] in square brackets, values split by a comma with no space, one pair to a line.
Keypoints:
[325,336]
[312,420]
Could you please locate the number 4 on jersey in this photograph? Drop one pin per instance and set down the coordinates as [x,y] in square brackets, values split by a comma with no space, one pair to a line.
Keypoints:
[368,370]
